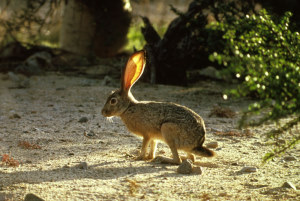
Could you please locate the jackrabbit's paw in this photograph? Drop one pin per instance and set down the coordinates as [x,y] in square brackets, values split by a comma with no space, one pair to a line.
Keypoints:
[161,159]
[140,158]
[191,157]
[158,159]
[149,157]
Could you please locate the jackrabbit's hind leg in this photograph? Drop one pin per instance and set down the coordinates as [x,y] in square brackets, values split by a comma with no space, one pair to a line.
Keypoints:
[191,157]
[168,131]
[175,160]
[188,156]
[170,136]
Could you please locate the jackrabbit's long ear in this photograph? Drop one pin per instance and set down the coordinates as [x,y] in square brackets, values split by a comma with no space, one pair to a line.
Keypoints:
[133,70]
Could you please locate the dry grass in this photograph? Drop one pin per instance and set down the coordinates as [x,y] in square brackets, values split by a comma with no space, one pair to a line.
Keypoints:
[27,145]
[133,186]
[9,161]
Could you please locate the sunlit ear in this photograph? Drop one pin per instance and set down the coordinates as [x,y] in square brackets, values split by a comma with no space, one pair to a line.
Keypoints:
[134,69]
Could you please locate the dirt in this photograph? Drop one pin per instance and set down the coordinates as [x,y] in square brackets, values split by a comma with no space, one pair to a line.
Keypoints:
[66,150]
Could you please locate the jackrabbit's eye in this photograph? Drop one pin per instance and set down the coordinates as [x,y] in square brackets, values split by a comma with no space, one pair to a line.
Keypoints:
[113,101]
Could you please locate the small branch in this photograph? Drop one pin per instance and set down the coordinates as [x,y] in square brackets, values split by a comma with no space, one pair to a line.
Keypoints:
[281,150]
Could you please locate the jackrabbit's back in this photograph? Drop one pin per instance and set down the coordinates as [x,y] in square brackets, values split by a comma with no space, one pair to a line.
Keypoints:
[148,118]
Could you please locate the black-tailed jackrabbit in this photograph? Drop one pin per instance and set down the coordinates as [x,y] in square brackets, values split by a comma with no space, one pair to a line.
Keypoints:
[176,125]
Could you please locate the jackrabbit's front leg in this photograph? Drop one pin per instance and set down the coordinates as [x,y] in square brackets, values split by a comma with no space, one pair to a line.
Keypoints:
[145,144]
[153,145]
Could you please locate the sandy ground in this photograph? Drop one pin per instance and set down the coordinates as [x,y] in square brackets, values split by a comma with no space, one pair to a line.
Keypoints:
[95,160]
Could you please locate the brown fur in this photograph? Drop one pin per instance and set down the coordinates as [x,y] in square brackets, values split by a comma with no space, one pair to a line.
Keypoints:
[176,125]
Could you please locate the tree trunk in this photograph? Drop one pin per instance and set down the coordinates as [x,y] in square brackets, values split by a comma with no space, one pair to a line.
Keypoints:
[94,27]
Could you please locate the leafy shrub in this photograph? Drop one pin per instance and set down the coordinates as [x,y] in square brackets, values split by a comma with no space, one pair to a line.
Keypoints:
[135,38]
[264,54]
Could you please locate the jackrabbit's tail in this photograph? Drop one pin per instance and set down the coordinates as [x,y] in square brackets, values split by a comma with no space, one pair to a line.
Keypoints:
[203,151]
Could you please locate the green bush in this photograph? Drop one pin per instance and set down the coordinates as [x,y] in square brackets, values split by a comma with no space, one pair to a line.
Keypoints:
[264,54]
[135,38]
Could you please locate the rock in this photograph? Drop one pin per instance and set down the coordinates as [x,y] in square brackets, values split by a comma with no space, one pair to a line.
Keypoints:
[90,134]
[210,72]
[197,170]
[29,70]
[21,81]
[289,158]
[32,197]
[212,145]
[186,167]
[83,120]
[249,169]
[35,64]
[107,80]
[82,165]
[15,116]
[289,185]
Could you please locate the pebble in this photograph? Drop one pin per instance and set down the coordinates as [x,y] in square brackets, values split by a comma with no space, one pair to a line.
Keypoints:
[212,145]
[289,158]
[15,116]
[186,167]
[32,197]
[224,194]
[83,120]
[82,165]
[249,169]
[289,185]
[91,133]
[197,170]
